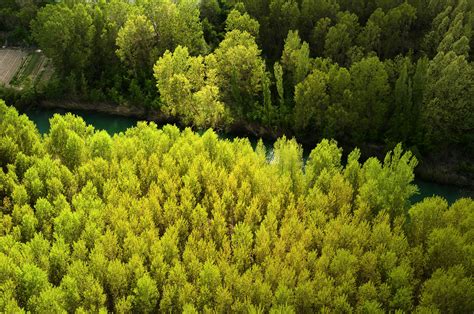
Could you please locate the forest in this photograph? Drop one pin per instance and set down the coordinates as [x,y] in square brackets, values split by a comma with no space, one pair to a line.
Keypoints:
[158,219]
[168,219]
[361,71]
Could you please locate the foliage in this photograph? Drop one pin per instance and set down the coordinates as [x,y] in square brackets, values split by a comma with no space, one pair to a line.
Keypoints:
[188,88]
[158,220]
[258,59]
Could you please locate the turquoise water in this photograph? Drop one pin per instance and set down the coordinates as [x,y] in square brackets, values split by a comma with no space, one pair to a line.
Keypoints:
[102,121]
[115,124]
[450,192]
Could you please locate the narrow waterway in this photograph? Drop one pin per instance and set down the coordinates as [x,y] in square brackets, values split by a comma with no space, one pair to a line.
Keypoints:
[115,124]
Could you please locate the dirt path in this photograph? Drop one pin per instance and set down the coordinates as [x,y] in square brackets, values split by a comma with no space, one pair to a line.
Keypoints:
[39,66]
[10,62]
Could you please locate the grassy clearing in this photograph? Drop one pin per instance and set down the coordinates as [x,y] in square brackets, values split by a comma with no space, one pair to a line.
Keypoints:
[28,70]
[34,69]
[33,63]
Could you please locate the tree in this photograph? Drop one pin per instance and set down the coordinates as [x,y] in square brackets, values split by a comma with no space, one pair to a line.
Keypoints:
[418,90]
[188,89]
[325,156]
[108,18]
[208,282]
[318,36]
[212,17]
[340,38]
[445,248]
[174,24]
[311,102]
[396,28]
[447,114]
[288,160]
[81,289]
[58,260]
[174,220]
[450,30]
[370,36]
[278,73]
[101,145]
[189,32]
[283,16]
[65,34]
[49,300]
[268,110]
[66,139]
[242,22]
[337,43]
[136,43]
[369,89]
[242,242]
[295,59]
[396,171]
[239,72]
[33,281]
[426,216]
[17,134]
[146,295]
[314,10]
[448,290]
[340,99]
[403,111]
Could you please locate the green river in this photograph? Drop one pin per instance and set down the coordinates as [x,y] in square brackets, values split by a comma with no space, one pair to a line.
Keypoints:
[115,124]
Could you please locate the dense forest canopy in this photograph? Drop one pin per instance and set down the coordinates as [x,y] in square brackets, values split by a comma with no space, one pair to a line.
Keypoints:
[359,71]
[158,219]
[167,220]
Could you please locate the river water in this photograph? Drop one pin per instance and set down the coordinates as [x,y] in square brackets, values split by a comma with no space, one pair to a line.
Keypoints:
[115,124]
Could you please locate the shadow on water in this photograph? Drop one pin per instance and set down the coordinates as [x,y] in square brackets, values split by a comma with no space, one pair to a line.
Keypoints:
[115,124]
[449,192]
[101,121]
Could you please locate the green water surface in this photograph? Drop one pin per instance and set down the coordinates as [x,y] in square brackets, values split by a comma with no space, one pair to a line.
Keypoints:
[102,121]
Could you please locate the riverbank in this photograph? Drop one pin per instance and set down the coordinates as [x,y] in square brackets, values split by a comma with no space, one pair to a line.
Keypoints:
[108,108]
[451,168]
[237,128]
[441,169]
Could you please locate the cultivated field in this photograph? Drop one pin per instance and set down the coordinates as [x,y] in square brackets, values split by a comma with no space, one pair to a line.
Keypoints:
[10,62]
